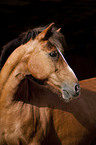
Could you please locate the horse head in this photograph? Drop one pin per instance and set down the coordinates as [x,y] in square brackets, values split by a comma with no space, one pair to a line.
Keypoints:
[47,64]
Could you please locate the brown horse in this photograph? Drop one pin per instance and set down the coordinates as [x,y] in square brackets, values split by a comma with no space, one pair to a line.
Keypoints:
[35,83]
[75,122]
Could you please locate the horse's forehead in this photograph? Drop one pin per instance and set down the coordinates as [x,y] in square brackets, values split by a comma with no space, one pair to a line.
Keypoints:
[49,47]
[44,45]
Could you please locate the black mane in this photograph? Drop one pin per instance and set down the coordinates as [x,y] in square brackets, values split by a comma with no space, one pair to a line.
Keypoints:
[24,38]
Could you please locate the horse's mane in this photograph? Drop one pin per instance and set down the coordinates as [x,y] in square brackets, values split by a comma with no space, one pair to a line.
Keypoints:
[25,37]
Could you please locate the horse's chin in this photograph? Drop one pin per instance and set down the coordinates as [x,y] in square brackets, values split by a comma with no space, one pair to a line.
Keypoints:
[66,97]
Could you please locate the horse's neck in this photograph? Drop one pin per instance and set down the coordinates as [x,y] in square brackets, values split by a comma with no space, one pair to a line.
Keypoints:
[12,73]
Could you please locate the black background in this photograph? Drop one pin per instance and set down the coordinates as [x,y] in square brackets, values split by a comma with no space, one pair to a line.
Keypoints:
[76,18]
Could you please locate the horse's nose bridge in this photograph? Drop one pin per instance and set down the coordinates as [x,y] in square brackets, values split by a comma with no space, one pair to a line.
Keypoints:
[67,70]
[71,82]
[70,74]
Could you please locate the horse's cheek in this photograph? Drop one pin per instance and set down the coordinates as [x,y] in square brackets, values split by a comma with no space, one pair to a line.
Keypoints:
[39,67]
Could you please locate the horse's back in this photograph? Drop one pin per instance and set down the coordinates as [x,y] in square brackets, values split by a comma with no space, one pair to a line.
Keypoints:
[89,84]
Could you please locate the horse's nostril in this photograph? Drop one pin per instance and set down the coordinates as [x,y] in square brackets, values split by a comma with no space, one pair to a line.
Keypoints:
[77,88]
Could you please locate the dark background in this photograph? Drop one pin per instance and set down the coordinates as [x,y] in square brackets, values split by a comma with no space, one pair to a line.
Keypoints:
[76,18]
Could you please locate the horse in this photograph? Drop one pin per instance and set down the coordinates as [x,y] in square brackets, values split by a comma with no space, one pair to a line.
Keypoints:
[36,83]
[75,122]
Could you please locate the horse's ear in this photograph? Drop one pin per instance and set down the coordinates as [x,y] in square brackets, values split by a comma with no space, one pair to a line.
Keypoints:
[45,33]
[58,30]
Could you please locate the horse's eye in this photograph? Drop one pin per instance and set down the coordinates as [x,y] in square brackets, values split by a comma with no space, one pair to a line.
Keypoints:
[53,54]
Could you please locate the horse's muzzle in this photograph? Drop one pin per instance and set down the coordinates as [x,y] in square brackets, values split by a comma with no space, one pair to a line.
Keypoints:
[69,93]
